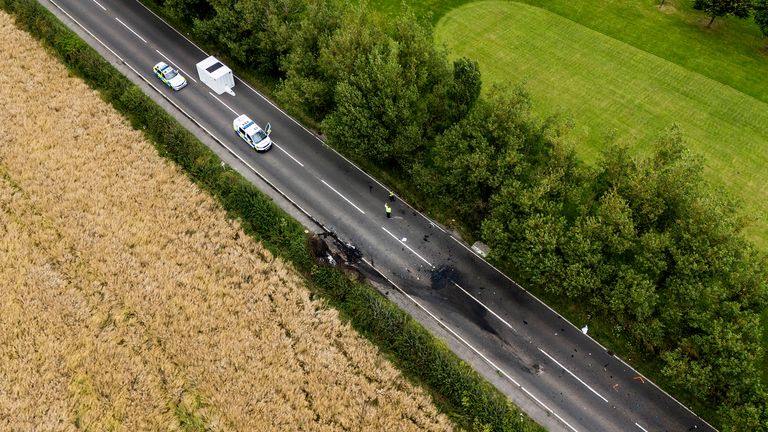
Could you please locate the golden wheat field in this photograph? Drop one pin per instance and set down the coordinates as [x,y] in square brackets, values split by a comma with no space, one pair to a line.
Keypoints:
[128,302]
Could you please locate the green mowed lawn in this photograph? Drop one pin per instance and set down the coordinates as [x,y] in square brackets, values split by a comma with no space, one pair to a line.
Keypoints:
[732,51]
[610,87]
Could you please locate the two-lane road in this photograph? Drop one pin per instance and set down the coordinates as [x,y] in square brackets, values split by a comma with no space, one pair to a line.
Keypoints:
[561,377]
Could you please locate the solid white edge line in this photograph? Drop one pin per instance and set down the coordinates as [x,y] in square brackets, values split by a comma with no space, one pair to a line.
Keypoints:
[470,346]
[176,66]
[574,375]
[221,102]
[290,155]
[409,248]
[345,198]
[100,5]
[432,223]
[642,428]
[131,30]
[485,307]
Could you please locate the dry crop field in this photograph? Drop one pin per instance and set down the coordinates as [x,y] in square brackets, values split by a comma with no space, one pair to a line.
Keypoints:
[129,302]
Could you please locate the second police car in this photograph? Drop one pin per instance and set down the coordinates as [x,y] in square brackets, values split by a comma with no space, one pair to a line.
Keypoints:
[251,133]
[169,76]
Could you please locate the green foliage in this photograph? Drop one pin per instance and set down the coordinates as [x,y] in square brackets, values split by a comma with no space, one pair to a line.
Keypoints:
[309,81]
[478,153]
[389,88]
[761,15]
[375,115]
[255,33]
[465,89]
[722,8]
[185,10]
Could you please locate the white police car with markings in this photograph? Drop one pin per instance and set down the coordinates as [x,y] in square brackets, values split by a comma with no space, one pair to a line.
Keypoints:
[169,76]
[251,133]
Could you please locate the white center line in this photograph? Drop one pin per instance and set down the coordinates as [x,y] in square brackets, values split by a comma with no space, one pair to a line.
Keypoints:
[100,5]
[136,34]
[345,198]
[177,67]
[486,307]
[640,427]
[233,111]
[573,375]
[409,248]
[297,161]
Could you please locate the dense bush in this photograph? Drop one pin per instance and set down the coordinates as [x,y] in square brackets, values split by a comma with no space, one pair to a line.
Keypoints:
[458,389]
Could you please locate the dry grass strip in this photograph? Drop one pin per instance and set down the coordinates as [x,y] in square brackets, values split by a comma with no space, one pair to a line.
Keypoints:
[128,302]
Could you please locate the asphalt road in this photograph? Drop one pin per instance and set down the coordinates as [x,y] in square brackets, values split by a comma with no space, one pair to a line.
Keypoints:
[561,377]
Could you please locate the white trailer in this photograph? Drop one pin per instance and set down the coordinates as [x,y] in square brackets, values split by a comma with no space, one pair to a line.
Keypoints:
[216,76]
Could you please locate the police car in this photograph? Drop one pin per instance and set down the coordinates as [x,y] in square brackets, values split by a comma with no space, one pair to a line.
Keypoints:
[252,134]
[169,76]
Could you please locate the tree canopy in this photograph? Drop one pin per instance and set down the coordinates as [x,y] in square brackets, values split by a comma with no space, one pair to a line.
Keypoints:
[722,8]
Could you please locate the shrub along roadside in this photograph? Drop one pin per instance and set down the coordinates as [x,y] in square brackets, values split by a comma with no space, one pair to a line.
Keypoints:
[457,389]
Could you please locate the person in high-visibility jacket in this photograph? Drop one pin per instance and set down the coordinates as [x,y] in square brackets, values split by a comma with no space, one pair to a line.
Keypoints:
[388,209]
[391,196]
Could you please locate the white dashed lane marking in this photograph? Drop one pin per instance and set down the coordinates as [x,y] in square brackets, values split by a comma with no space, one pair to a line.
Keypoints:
[486,307]
[574,375]
[301,164]
[131,30]
[345,198]
[408,247]
[228,107]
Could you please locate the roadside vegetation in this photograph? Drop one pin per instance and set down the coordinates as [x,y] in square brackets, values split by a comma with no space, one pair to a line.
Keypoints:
[653,252]
[132,302]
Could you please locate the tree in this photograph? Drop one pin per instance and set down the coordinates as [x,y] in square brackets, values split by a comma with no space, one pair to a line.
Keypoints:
[255,33]
[529,215]
[475,155]
[761,15]
[721,8]
[187,10]
[465,88]
[308,87]
[425,67]
[375,117]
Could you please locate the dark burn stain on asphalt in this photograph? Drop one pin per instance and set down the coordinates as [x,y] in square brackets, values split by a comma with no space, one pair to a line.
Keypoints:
[443,277]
